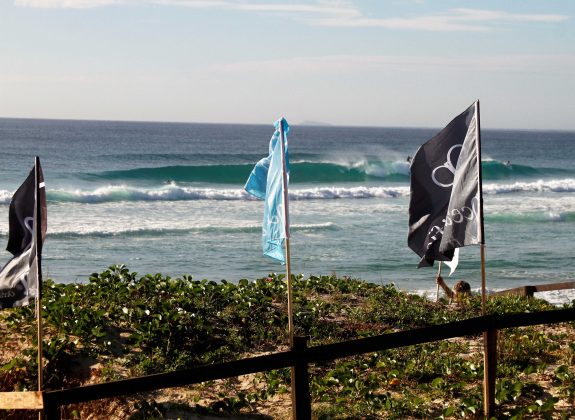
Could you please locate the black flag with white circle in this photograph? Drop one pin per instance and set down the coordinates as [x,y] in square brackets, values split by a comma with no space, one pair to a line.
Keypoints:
[444,207]
[27,224]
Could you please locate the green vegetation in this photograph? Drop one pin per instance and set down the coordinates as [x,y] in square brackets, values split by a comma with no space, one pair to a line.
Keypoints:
[121,325]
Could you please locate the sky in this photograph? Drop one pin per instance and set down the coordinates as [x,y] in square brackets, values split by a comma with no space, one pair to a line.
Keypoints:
[406,63]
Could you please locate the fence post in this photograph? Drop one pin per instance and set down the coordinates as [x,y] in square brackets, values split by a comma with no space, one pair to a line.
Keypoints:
[490,366]
[302,399]
[51,412]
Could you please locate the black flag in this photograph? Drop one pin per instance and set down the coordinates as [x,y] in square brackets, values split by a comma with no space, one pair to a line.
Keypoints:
[445,204]
[27,223]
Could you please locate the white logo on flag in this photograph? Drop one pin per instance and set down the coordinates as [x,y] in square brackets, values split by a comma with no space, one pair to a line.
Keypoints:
[448,165]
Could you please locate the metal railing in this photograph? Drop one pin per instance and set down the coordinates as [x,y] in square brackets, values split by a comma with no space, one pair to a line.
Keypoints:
[301,356]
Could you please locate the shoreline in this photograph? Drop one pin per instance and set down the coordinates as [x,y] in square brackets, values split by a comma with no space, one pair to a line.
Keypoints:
[554,297]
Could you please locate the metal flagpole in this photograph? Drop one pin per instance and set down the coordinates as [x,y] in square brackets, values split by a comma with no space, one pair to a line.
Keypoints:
[286,227]
[38,259]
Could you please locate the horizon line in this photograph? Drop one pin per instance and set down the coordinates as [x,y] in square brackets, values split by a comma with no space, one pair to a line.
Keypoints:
[304,123]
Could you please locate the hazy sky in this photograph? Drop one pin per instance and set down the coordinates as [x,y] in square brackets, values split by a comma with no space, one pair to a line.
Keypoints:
[344,62]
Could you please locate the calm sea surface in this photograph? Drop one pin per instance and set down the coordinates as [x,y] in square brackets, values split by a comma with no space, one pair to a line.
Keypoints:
[168,198]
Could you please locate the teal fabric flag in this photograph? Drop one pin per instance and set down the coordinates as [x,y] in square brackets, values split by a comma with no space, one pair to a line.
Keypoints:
[265,182]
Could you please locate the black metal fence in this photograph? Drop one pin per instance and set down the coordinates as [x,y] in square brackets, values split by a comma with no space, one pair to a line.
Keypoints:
[299,358]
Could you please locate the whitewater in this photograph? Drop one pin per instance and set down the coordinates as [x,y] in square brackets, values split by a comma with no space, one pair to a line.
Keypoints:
[175,192]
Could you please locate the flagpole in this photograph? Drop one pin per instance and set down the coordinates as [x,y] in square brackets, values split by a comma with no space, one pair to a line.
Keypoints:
[287,240]
[288,267]
[480,227]
[38,258]
[489,337]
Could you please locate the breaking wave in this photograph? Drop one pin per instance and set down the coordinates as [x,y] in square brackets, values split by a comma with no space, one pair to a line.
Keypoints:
[534,217]
[300,172]
[175,192]
[124,231]
[309,172]
[566,185]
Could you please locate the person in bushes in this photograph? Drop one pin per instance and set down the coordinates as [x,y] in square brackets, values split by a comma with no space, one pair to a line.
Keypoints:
[460,290]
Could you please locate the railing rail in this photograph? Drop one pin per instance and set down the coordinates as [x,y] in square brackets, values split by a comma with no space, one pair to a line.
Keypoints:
[530,290]
[300,357]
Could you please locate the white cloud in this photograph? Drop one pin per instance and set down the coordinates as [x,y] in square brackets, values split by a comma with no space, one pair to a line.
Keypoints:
[422,23]
[554,64]
[455,20]
[332,13]
[315,9]
[200,4]
[67,4]
[500,16]
[305,9]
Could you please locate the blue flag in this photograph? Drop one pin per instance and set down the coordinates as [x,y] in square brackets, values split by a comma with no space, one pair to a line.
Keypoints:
[266,183]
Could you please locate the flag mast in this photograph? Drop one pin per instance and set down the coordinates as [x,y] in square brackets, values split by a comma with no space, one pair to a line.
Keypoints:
[287,235]
[480,228]
[489,337]
[275,236]
[38,258]
[288,266]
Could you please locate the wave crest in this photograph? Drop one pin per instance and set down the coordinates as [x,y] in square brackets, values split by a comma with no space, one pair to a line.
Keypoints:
[300,172]
[177,193]
[532,217]
[306,171]
[552,185]
[174,192]
[123,231]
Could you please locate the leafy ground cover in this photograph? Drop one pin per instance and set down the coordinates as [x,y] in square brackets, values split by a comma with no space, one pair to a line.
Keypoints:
[121,325]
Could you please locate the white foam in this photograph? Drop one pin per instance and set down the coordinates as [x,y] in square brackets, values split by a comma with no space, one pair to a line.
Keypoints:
[384,169]
[344,192]
[173,192]
[5,196]
[159,227]
[553,185]
[557,297]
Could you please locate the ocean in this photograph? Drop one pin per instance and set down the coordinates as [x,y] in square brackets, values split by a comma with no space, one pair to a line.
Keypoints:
[168,198]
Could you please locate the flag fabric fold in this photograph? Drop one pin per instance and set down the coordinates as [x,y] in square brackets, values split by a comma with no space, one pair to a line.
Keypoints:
[454,262]
[19,277]
[266,182]
[444,207]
